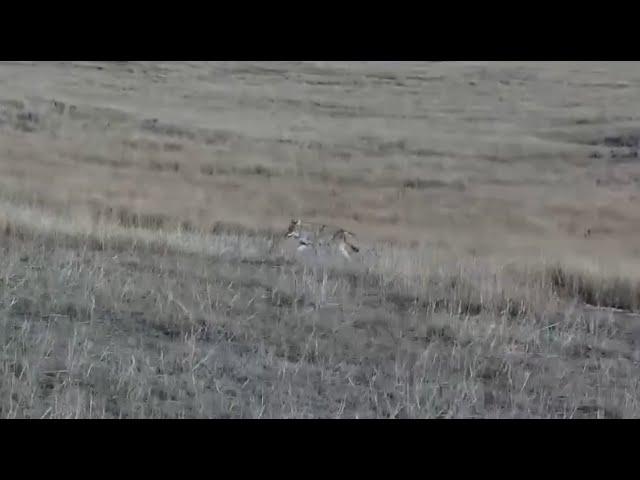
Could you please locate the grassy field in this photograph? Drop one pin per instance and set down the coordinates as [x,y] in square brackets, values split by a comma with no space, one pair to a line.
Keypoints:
[144,273]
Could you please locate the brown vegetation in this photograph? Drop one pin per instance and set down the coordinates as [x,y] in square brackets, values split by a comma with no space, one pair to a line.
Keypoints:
[144,273]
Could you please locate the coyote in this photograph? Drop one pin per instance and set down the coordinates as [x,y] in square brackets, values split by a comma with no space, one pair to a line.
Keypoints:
[314,235]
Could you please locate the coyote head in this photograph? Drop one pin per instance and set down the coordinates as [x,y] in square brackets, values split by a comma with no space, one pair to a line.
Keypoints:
[294,229]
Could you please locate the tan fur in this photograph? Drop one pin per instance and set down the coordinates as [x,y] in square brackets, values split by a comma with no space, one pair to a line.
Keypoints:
[318,234]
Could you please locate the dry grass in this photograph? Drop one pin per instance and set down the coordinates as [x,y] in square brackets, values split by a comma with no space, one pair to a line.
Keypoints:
[143,271]
[114,329]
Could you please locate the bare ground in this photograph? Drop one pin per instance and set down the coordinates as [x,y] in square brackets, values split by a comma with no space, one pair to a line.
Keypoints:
[143,273]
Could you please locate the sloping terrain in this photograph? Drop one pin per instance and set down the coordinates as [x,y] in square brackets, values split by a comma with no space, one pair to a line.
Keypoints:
[144,274]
